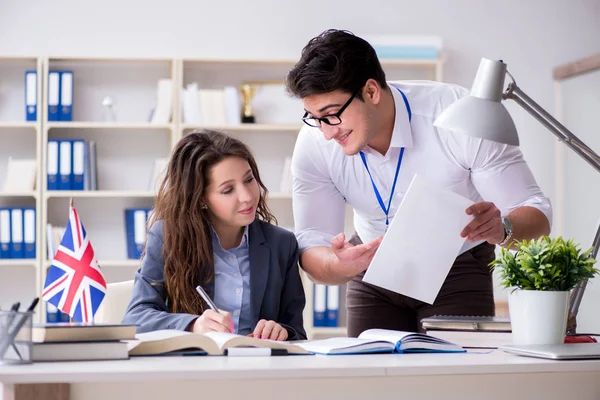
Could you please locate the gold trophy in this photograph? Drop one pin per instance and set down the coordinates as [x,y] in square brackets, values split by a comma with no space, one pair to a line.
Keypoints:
[248,92]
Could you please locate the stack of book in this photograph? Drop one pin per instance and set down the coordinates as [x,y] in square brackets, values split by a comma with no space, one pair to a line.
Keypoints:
[81,342]
[470,331]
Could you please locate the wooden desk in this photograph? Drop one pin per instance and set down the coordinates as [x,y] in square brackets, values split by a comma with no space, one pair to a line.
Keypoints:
[493,376]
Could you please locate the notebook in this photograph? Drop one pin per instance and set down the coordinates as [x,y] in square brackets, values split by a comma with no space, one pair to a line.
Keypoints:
[213,343]
[381,341]
[81,332]
[570,351]
[466,323]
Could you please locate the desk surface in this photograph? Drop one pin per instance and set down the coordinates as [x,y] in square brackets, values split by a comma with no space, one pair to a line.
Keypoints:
[217,367]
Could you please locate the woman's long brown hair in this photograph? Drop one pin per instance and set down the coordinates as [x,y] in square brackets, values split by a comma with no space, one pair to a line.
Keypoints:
[187,248]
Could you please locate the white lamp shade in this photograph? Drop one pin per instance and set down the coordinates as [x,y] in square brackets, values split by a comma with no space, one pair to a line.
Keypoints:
[481,114]
[480,118]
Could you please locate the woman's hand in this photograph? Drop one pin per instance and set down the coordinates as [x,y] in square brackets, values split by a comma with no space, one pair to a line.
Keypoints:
[212,321]
[270,330]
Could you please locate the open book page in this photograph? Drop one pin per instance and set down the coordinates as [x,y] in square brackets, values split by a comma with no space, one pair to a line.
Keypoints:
[429,215]
[384,334]
[411,341]
[226,340]
[347,345]
[169,340]
[214,343]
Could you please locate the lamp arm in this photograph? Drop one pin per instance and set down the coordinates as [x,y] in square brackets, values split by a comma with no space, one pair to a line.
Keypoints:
[515,93]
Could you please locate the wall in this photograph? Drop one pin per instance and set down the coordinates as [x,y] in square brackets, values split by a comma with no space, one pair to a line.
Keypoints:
[531,36]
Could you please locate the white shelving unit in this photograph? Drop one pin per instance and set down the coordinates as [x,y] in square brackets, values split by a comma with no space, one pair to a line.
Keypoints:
[19,278]
[127,147]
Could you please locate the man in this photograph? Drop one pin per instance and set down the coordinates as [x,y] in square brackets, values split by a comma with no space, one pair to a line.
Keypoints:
[363,141]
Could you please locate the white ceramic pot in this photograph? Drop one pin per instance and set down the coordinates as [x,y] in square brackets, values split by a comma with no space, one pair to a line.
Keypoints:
[538,317]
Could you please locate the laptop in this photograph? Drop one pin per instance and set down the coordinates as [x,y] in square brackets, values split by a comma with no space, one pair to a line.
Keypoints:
[568,351]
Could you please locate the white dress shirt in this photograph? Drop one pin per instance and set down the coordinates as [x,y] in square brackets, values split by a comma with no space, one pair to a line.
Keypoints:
[325,179]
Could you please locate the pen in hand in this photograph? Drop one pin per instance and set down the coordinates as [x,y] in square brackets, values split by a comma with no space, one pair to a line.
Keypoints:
[214,308]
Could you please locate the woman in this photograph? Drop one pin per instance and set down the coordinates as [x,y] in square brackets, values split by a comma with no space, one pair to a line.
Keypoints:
[211,227]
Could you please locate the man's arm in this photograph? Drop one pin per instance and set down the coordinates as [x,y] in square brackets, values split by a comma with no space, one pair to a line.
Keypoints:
[503,178]
[319,214]
[339,263]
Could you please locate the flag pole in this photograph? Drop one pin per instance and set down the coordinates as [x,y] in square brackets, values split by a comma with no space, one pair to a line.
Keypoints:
[71,202]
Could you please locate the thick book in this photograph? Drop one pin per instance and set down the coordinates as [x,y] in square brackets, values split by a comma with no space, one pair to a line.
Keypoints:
[475,339]
[79,351]
[382,341]
[466,323]
[213,343]
[81,332]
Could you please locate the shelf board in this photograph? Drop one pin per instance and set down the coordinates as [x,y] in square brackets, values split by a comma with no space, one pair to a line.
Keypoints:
[111,263]
[106,125]
[291,62]
[247,127]
[17,125]
[17,262]
[18,194]
[99,193]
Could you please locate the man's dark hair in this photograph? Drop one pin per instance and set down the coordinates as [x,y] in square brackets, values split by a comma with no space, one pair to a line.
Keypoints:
[334,60]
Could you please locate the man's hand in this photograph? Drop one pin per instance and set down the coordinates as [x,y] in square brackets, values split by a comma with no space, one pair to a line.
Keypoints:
[355,259]
[487,224]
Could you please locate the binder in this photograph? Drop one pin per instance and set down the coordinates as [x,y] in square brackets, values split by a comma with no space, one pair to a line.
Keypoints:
[65,165]
[135,231]
[5,234]
[16,225]
[77,181]
[320,305]
[29,232]
[66,96]
[333,305]
[53,96]
[31,95]
[52,164]
[52,313]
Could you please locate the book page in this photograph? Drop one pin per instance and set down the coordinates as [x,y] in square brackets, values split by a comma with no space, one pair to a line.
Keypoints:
[422,242]
[384,334]
[221,338]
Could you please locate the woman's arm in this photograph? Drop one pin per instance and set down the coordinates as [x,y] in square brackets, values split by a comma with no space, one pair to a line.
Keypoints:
[147,308]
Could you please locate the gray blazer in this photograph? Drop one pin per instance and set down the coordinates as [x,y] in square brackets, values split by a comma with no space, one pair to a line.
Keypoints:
[276,291]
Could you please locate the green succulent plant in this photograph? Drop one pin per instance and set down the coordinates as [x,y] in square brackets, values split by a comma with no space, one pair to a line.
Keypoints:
[549,264]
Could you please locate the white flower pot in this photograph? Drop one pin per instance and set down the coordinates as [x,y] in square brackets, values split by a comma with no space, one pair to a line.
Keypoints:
[538,317]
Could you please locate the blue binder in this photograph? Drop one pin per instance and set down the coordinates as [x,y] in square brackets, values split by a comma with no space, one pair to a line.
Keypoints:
[53,96]
[29,238]
[135,231]
[5,234]
[320,305]
[78,167]
[31,95]
[52,164]
[66,95]
[16,225]
[65,165]
[333,305]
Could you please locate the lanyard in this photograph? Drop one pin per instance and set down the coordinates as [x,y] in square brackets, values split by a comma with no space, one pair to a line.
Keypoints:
[386,210]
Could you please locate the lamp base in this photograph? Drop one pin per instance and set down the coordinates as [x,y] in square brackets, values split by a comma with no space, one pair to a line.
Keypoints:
[248,119]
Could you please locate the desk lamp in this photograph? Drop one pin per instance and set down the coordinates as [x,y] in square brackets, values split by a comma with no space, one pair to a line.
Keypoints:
[481,114]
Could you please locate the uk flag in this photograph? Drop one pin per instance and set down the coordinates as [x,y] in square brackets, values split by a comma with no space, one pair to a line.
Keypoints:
[74,283]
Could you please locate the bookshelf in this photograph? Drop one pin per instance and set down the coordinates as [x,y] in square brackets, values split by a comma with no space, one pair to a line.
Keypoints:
[21,139]
[128,145]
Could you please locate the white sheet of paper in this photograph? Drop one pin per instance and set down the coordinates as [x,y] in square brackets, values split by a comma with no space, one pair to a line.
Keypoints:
[421,243]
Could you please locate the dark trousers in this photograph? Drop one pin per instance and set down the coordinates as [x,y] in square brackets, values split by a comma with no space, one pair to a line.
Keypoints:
[467,290]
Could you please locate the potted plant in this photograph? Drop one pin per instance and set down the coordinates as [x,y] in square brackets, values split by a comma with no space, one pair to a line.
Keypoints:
[540,275]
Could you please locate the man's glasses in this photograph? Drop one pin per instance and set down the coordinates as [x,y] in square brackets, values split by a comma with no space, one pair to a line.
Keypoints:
[331,119]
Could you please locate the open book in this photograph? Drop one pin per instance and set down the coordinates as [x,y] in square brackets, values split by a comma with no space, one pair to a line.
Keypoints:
[382,341]
[213,343]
